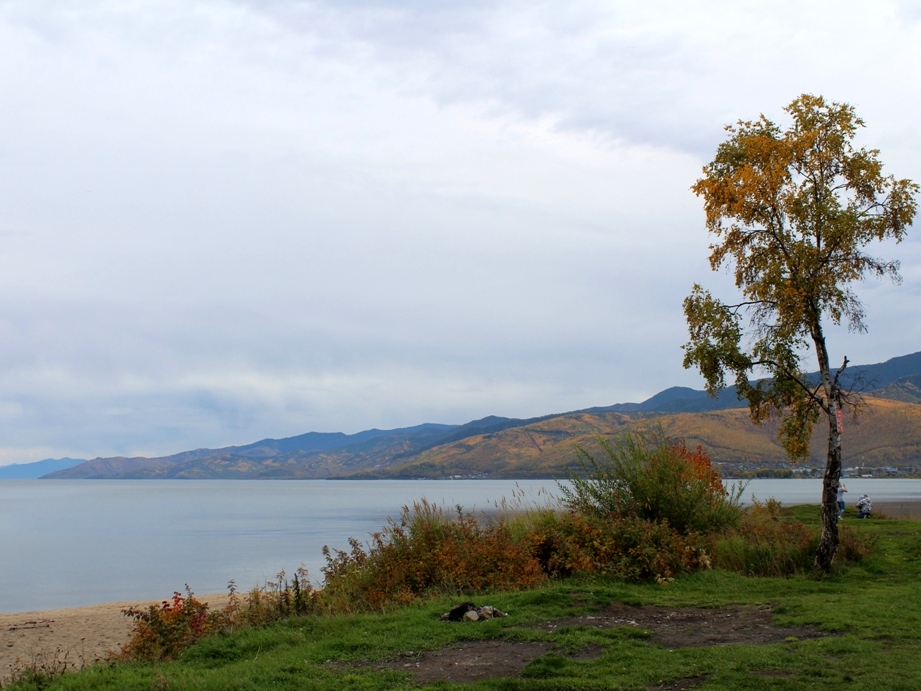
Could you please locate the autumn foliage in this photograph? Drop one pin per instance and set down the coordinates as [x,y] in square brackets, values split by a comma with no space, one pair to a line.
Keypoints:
[623,547]
[654,478]
[428,552]
[162,632]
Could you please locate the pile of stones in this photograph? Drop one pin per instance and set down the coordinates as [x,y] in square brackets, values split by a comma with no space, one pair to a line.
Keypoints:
[468,611]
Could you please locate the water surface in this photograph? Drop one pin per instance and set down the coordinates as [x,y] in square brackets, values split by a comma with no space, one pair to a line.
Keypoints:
[67,543]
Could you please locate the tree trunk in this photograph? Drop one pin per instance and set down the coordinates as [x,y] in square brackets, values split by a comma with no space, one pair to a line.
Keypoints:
[828,544]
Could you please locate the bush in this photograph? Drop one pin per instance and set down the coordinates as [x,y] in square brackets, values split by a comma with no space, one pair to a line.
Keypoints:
[626,547]
[763,544]
[162,633]
[653,478]
[273,601]
[766,544]
[427,553]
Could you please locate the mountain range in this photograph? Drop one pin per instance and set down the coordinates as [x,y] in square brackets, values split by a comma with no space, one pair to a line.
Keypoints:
[887,432]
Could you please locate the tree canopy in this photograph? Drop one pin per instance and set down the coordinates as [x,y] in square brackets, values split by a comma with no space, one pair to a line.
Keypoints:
[792,211]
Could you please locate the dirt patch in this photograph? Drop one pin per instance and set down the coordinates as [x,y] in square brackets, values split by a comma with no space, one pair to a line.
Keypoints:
[680,684]
[689,627]
[470,661]
[671,627]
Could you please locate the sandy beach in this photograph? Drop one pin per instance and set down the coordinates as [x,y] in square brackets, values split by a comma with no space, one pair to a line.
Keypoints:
[72,637]
[82,635]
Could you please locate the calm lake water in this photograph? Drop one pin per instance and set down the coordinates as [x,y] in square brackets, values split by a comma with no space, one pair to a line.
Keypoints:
[69,543]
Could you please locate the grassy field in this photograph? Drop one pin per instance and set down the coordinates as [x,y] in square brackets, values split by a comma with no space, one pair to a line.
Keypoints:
[863,630]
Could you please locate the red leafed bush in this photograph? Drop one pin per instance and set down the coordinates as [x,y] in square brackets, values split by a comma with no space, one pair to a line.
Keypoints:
[163,632]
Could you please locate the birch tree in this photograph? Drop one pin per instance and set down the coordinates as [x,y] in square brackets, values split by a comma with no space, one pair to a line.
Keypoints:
[792,212]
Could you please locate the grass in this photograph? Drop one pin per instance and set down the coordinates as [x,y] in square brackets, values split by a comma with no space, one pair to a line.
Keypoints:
[873,607]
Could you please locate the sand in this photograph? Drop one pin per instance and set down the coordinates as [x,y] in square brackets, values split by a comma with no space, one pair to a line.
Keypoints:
[80,636]
[69,637]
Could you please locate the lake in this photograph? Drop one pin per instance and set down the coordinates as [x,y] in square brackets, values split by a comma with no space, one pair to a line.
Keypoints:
[68,543]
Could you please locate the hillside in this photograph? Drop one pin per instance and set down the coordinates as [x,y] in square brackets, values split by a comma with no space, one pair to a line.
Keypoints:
[311,455]
[31,471]
[887,433]
[906,389]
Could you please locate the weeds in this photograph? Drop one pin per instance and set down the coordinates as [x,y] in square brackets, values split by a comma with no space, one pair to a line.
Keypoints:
[766,544]
[763,544]
[273,601]
[43,669]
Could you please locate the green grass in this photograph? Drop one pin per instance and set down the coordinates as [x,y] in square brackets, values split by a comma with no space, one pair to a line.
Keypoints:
[874,609]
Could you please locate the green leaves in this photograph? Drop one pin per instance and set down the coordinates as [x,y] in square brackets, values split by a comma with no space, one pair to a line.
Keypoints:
[716,335]
[653,478]
[792,210]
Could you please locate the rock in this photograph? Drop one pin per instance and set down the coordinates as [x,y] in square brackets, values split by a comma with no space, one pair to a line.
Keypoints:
[457,613]
[468,611]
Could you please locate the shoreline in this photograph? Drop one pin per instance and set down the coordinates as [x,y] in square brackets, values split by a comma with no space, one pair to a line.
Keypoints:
[72,637]
[78,636]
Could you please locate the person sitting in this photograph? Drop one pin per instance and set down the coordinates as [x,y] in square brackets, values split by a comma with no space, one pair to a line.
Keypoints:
[864,506]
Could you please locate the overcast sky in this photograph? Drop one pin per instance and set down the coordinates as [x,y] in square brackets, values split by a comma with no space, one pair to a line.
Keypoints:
[222,221]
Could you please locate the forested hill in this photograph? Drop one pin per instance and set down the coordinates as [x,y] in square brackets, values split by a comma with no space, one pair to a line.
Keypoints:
[887,433]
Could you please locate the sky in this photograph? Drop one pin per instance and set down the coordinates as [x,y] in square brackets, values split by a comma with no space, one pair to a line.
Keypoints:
[224,220]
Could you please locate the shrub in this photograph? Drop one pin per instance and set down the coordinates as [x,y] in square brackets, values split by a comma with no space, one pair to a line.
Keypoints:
[162,633]
[763,544]
[626,547]
[653,478]
[766,544]
[427,553]
[273,601]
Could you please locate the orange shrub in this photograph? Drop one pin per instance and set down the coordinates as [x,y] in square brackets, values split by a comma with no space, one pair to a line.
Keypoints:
[428,553]
[623,546]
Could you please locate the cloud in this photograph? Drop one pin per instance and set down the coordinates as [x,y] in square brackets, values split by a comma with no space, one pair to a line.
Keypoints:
[229,220]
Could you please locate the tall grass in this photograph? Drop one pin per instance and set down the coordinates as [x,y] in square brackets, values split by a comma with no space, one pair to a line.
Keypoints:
[766,543]
[762,544]
[651,477]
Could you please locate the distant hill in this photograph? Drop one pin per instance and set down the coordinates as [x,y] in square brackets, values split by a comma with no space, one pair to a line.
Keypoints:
[677,399]
[890,379]
[887,433]
[34,470]
[906,389]
[311,455]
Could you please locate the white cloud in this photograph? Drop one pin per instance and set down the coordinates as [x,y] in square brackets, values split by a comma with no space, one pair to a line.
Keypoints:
[227,220]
